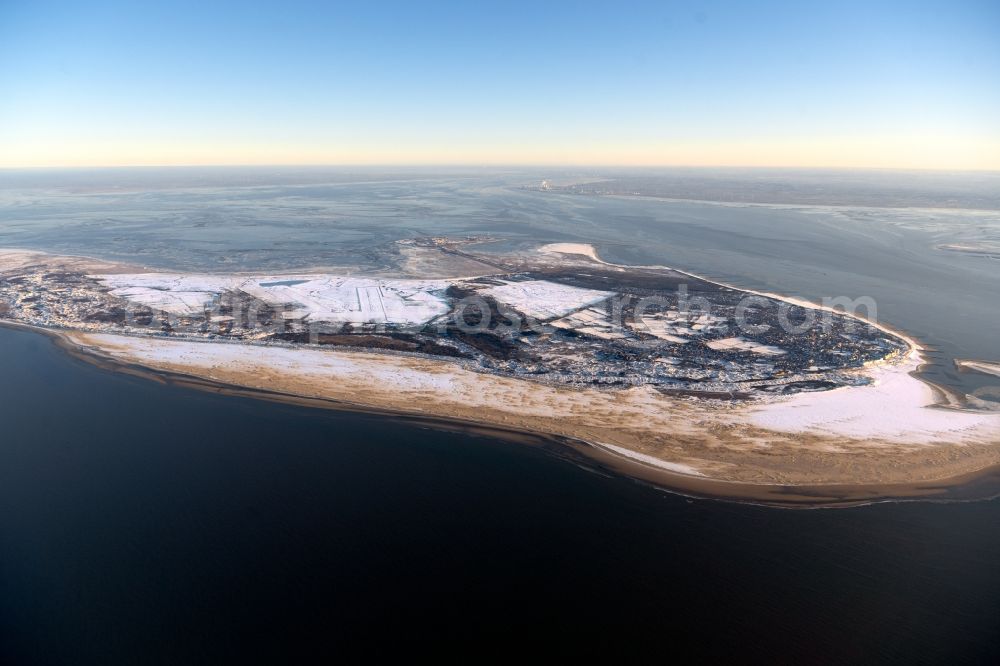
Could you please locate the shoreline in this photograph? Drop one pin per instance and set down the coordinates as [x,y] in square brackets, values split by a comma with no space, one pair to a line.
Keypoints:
[977,485]
[736,459]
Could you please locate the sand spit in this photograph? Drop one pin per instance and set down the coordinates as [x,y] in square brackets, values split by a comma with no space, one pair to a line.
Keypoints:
[571,248]
[13,259]
[979,366]
[712,439]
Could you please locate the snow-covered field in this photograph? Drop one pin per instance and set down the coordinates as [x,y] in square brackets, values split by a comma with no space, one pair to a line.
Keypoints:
[355,300]
[171,292]
[593,321]
[326,298]
[545,300]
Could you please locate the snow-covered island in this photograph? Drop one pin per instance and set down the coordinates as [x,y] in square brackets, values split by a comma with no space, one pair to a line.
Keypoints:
[677,375]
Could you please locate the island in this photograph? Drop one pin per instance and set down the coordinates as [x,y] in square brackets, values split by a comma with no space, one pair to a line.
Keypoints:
[670,378]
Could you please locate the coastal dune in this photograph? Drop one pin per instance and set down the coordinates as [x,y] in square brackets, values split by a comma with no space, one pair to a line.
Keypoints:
[884,433]
[895,407]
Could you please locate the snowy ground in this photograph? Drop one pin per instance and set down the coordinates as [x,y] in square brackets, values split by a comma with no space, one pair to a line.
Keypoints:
[742,344]
[592,321]
[305,363]
[326,298]
[171,292]
[339,299]
[895,407]
[544,300]
[355,300]
[674,326]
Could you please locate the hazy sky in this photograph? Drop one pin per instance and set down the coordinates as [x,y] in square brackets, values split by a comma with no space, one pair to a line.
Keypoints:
[834,83]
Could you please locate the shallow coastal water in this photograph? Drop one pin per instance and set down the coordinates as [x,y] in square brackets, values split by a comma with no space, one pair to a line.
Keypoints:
[262,221]
[146,522]
[149,523]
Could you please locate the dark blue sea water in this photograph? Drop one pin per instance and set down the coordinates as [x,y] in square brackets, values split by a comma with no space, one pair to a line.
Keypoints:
[145,523]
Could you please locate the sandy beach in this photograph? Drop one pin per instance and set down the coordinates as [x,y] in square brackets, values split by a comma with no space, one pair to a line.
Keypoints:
[786,442]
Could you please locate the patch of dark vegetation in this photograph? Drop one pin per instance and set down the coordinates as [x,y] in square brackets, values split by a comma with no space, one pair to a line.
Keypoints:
[454,291]
[369,341]
[435,349]
[142,318]
[798,387]
[392,342]
[717,395]
[605,381]
[111,317]
[64,277]
[493,346]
